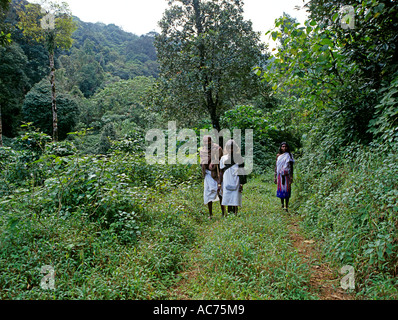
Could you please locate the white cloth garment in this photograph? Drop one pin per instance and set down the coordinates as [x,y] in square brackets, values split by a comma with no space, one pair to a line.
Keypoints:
[230,185]
[282,164]
[210,188]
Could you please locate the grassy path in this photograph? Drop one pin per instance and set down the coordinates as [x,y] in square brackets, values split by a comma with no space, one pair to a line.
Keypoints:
[258,254]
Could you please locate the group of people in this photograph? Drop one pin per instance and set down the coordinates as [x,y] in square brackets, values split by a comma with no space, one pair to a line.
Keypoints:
[224,181]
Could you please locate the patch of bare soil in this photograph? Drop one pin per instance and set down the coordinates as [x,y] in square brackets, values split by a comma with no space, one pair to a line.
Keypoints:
[323,280]
[178,292]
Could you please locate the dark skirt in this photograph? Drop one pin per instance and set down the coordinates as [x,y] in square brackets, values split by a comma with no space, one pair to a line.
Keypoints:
[284,188]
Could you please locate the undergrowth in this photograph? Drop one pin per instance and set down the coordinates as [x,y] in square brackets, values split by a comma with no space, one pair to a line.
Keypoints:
[351,204]
[103,223]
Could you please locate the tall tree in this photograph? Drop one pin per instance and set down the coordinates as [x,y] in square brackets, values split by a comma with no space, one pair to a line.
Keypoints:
[206,51]
[4,40]
[5,35]
[371,42]
[13,85]
[51,24]
[36,109]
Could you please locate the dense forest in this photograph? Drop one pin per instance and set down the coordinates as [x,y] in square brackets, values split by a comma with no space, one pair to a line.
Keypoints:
[101,56]
[78,196]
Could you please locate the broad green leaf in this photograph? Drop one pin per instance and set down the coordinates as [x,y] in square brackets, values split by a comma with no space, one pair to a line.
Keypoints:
[327,41]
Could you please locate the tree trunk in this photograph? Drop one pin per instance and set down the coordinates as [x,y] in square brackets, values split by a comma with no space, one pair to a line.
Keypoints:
[211,106]
[53,98]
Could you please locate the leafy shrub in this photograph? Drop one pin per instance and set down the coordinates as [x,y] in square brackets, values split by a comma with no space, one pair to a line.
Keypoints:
[61,148]
[86,209]
[384,124]
[37,109]
[352,204]
[267,134]
[17,163]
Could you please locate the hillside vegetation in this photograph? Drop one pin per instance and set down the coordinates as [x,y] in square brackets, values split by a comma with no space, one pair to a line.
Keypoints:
[89,206]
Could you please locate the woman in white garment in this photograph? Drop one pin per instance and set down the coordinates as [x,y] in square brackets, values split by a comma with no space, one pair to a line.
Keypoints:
[231,187]
[210,155]
[283,176]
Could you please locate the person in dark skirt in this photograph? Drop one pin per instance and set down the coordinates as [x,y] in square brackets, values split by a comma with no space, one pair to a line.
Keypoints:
[283,176]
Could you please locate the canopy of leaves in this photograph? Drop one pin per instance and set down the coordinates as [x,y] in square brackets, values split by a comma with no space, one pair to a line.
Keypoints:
[124,99]
[206,52]
[5,35]
[37,109]
[100,55]
[338,84]
[372,43]
[13,84]
[122,54]
[322,84]
[32,21]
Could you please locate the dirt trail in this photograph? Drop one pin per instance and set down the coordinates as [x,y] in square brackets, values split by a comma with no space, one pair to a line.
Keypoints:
[178,292]
[323,280]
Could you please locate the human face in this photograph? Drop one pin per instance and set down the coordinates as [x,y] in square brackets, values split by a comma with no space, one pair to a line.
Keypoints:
[284,148]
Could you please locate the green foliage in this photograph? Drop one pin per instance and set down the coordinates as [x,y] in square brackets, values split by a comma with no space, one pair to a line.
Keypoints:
[120,105]
[32,19]
[5,38]
[108,134]
[4,4]
[50,24]
[385,123]
[73,212]
[37,109]
[73,204]
[268,133]
[81,72]
[371,45]
[337,89]
[16,161]
[319,84]
[351,203]
[124,99]
[206,52]
[91,78]
[121,54]
[61,148]
[5,35]
[13,83]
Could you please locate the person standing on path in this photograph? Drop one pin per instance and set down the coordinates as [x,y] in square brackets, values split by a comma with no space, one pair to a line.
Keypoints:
[230,181]
[283,176]
[210,155]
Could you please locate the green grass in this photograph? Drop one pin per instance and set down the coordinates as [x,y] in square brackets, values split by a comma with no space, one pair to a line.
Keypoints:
[91,262]
[248,256]
[351,206]
[179,254]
